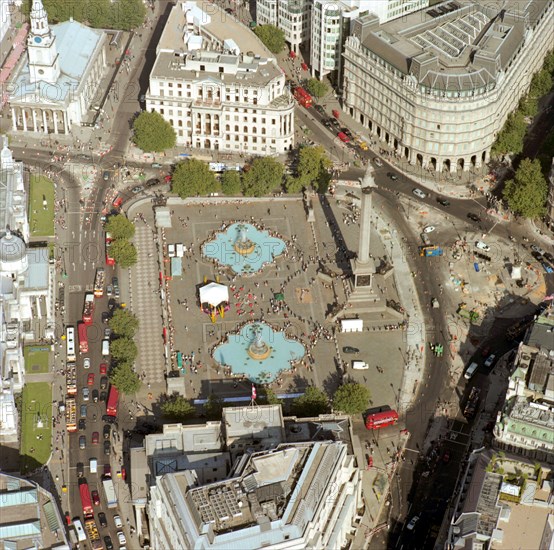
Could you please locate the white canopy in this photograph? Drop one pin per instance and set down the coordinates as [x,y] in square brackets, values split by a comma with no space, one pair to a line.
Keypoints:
[351,325]
[214,294]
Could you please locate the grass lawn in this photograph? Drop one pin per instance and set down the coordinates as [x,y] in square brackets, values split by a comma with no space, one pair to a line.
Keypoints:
[36,404]
[36,359]
[41,218]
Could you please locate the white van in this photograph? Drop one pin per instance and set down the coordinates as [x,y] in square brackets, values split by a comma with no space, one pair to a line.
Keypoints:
[470,371]
[93,465]
[482,246]
[105,348]
[81,535]
[360,365]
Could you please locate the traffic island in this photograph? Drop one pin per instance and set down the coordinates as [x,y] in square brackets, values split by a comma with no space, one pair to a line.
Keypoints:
[36,425]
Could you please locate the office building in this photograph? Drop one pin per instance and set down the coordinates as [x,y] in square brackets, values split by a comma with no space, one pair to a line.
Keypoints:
[550,199]
[216,91]
[437,86]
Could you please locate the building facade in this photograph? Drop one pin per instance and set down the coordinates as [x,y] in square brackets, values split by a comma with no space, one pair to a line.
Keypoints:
[437,86]
[5,20]
[215,96]
[550,198]
[56,85]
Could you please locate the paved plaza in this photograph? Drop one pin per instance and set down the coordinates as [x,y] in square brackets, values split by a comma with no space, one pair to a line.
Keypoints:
[303,314]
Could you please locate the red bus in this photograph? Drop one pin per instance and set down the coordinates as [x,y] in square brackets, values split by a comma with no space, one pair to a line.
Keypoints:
[111,404]
[83,340]
[303,97]
[86,501]
[377,420]
[88,308]
[109,259]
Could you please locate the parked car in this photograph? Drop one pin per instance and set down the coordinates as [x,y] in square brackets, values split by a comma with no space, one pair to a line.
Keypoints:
[343,137]
[90,379]
[95,438]
[80,469]
[103,396]
[107,333]
[152,182]
[419,193]
[95,498]
[137,189]
[82,442]
[106,175]
[547,267]
[482,246]
[392,176]
[105,317]
[121,538]
[109,290]
[473,217]
[538,249]
[412,523]
[350,349]
[549,257]
[117,521]
[378,161]
[429,229]
[490,360]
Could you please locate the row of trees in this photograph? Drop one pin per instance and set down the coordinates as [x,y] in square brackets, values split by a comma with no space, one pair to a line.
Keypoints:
[122,250]
[272,37]
[265,175]
[526,193]
[99,14]
[350,398]
[123,350]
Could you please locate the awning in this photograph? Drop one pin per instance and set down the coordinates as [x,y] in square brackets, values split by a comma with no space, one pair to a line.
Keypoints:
[214,294]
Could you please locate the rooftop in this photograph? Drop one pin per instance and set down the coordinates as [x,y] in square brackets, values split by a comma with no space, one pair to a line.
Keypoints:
[457,45]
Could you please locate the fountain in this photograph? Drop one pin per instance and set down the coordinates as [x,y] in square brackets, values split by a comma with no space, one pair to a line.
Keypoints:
[258,349]
[243,245]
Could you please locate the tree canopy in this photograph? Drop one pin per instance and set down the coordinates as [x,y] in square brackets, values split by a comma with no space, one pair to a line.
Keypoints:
[231,183]
[119,227]
[100,14]
[317,88]
[313,168]
[124,323]
[351,398]
[510,138]
[265,175]
[213,407]
[177,407]
[123,350]
[152,133]
[526,193]
[124,253]
[124,378]
[313,403]
[272,37]
[192,178]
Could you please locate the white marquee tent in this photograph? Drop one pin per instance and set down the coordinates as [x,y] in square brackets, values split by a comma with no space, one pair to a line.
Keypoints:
[214,294]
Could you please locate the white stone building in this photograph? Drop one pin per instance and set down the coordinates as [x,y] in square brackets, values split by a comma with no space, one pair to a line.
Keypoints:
[55,86]
[550,198]
[216,91]
[5,21]
[437,85]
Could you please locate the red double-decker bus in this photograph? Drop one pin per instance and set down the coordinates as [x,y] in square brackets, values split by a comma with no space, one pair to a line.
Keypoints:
[111,404]
[381,419]
[83,340]
[303,97]
[109,259]
[88,308]
[86,501]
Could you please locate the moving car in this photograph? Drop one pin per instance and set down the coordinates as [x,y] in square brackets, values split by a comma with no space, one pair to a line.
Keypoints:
[90,379]
[95,438]
[82,425]
[378,161]
[102,519]
[82,442]
[103,368]
[446,456]
[412,523]
[443,202]
[103,382]
[547,267]
[137,189]
[482,246]
[490,360]
[83,411]
[429,229]
[109,290]
[106,175]
[107,448]
[392,176]
[473,217]
[86,394]
[107,333]
[86,363]
[95,498]
[117,522]
[105,316]
[121,538]
[108,542]
[350,349]
[538,249]
[549,257]
[80,469]
[419,193]
[343,137]
[107,431]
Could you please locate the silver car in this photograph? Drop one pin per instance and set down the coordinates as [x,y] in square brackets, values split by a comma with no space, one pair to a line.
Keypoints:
[86,394]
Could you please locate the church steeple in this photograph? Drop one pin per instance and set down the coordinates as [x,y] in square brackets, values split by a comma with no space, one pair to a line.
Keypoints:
[39,19]
[43,56]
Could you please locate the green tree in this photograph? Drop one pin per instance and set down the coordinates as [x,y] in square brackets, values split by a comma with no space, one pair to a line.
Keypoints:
[125,379]
[268,396]
[152,133]
[213,407]
[231,183]
[272,37]
[529,106]
[313,403]
[293,184]
[124,323]
[526,193]
[265,175]
[119,227]
[317,88]
[351,398]
[541,84]
[177,408]
[510,138]
[192,178]
[127,15]
[313,167]
[123,350]
[124,253]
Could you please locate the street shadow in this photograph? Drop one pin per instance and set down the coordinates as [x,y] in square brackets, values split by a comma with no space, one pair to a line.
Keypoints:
[342,254]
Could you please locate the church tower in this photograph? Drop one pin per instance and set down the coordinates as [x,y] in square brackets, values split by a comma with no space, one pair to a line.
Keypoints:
[44,62]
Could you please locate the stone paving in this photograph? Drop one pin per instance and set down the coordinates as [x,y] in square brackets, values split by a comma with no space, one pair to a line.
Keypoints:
[145,304]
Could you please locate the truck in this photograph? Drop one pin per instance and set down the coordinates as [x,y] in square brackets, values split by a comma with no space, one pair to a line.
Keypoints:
[86,501]
[111,405]
[109,491]
[83,339]
[88,308]
[473,401]
[303,97]
[71,379]
[432,250]
[99,281]
[71,414]
[93,534]
[110,260]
